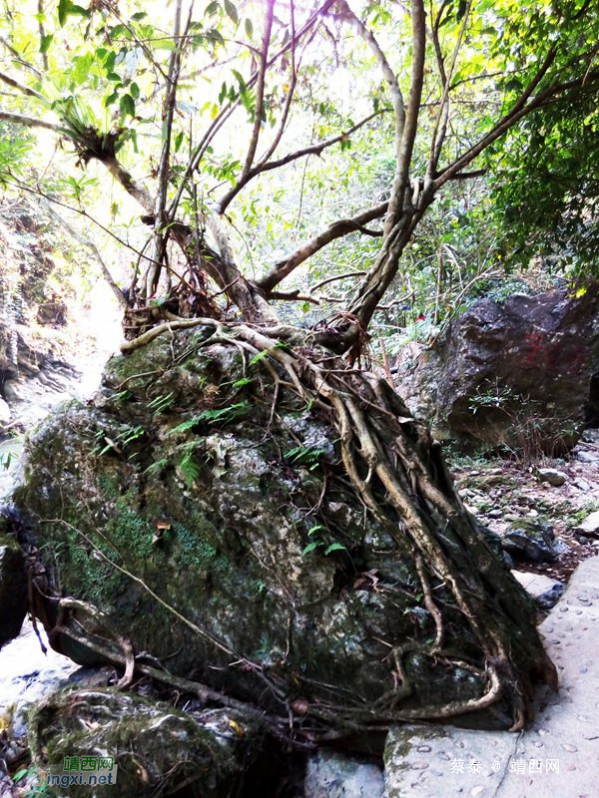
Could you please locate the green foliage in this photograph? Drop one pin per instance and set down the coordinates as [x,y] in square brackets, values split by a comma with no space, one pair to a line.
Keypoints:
[546,187]
[221,416]
[305,456]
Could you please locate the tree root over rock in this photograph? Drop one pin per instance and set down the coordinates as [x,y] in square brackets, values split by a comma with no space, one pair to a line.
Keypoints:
[399,473]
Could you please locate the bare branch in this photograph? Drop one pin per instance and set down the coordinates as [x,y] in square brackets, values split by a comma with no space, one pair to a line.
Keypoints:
[258,110]
[226,112]
[440,129]
[19,58]
[28,121]
[20,87]
[335,279]
[290,93]
[42,32]
[338,229]
[120,297]
[411,119]
[160,239]
[389,75]
[522,107]
[313,149]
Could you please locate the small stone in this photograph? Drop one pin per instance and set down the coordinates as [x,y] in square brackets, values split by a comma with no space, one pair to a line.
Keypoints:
[568,747]
[495,513]
[532,514]
[570,767]
[424,749]
[419,765]
[477,791]
[590,525]
[552,476]
[586,457]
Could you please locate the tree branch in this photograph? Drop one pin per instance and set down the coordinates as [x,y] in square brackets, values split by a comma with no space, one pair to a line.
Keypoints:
[313,149]
[290,93]
[410,127]
[337,229]
[20,87]
[160,238]
[226,112]
[29,121]
[389,75]
[440,128]
[249,160]
[522,107]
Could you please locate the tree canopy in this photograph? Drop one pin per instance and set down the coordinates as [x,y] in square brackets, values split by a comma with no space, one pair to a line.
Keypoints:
[255,137]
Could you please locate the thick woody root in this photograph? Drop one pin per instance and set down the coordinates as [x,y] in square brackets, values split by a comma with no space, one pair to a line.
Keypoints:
[398,472]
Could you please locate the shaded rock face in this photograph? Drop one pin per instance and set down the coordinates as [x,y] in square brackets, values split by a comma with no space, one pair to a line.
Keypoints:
[523,372]
[233,515]
[13,587]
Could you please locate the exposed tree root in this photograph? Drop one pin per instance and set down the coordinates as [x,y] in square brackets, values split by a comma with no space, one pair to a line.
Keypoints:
[402,480]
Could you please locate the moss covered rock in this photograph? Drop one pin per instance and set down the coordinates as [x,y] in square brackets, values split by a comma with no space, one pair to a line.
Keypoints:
[155,748]
[206,511]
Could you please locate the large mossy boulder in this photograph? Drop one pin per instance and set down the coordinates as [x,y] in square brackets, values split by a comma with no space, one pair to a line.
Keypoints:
[204,508]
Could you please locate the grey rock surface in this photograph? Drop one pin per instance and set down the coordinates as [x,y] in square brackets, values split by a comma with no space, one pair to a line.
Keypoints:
[502,364]
[590,525]
[545,591]
[27,675]
[557,757]
[552,476]
[332,775]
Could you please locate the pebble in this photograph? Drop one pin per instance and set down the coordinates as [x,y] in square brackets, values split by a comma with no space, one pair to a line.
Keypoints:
[475,792]
[419,765]
[424,749]
[568,747]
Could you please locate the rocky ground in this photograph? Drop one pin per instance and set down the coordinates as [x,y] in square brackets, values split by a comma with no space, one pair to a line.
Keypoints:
[545,512]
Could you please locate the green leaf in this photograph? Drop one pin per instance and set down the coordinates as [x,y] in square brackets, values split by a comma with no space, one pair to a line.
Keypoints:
[127,105]
[46,42]
[335,547]
[514,85]
[257,358]
[312,547]
[139,15]
[112,98]
[249,28]
[64,7]
[231,10]
[134,89]
[211,8]
[19,775]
